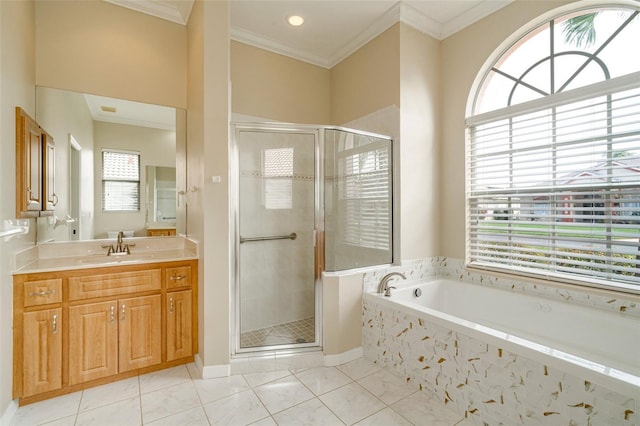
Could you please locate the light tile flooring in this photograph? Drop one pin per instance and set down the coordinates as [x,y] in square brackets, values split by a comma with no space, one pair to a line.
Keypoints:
[358,392]
[300,331]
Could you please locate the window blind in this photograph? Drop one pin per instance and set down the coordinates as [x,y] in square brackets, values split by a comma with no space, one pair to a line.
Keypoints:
[278,174]
[555,190]
[365,194]
[120,181]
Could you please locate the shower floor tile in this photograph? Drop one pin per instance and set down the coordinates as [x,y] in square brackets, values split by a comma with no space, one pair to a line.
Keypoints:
[300,331]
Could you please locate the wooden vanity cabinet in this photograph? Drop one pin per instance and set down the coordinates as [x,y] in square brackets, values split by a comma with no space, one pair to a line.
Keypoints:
[81,328]
[113,337]
[160,232]
[42,343]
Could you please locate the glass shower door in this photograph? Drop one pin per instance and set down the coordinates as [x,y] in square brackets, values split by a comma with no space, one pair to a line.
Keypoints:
[276,292]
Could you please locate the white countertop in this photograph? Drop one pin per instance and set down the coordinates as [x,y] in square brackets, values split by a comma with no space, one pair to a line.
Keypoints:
[60,256]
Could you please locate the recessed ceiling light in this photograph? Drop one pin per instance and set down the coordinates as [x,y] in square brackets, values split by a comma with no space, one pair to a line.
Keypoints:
[295,20]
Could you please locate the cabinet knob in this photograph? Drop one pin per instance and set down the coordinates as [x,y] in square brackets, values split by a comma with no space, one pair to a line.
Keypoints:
[171,305]
[54,324]
[112,313]
[123,313]
[178,277]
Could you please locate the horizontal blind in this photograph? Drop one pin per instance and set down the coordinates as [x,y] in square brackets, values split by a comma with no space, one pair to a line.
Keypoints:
[365,194]
[278,174]
[556,191]
[120,181]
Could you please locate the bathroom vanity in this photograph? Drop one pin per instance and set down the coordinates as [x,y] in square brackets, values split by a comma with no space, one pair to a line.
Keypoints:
[82,321]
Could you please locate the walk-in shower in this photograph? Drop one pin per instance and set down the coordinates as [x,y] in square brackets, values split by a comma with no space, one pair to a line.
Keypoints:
[307,199]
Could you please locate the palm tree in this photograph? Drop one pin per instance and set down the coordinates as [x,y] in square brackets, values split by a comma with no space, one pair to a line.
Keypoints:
[580,30]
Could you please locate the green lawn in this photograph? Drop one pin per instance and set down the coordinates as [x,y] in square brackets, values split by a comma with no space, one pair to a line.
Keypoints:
[597,231]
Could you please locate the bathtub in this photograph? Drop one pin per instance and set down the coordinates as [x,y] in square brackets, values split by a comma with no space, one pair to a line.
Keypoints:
[502,357]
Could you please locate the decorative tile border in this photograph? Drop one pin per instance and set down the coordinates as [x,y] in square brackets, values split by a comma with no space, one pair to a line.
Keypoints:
[489,384]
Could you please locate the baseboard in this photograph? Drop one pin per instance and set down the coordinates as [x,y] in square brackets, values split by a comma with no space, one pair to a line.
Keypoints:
[8,414]
[342,358]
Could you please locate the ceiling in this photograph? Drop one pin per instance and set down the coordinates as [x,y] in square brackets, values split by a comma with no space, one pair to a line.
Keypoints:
[333,29]
[132,113]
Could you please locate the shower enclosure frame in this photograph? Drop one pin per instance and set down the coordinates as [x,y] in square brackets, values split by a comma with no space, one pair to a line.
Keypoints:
[319,223]
[285,128]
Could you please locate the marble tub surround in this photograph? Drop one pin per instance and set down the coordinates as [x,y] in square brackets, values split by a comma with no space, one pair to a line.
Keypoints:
[66,255]
[482,379]
[418,270]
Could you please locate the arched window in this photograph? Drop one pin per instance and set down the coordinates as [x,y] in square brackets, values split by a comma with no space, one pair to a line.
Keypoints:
[553,154]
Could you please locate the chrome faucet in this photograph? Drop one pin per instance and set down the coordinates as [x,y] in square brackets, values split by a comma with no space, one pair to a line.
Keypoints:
[383,286]
[120,248]
[119,242]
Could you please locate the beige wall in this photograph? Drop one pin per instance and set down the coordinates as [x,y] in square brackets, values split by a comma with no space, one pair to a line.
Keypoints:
[342,313]
[195,146]
[463,54]
[284,89]
[420,124]
[100,48]
[62,113]
[17,88]
[368,80]
[207,147]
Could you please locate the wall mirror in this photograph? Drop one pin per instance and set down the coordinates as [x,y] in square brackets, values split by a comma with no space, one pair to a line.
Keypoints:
[161,196]
[87,129]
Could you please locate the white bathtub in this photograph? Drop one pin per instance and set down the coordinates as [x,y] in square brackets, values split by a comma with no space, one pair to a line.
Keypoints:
[543,337]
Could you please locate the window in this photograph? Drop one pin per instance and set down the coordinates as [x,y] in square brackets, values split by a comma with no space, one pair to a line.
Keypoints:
[553,159]
[365,192]
[278,178]
[120,181]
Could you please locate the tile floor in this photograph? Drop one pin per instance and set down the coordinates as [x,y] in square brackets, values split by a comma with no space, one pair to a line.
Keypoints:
[299,331]
[358,392]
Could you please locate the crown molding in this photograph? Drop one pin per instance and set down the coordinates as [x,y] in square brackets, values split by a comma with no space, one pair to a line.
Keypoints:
[418,20]
[175,11]
[256,40]
[391,17]
[476,13]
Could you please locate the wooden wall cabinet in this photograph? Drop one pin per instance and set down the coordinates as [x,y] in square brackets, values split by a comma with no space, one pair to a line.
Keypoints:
[35,168]
[49,172]
[28,165]
[81,328]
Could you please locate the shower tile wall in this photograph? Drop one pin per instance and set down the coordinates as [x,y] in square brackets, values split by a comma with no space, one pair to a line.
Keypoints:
[277,283]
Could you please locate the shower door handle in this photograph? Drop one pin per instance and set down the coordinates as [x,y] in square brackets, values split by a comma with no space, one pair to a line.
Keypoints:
[291,236]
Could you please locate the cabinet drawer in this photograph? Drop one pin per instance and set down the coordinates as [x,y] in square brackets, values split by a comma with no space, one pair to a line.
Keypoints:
[42,292]
[178,277]
[113,284]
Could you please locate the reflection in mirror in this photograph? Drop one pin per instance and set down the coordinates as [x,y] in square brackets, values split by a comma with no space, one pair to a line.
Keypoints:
[83,126]
[161,196]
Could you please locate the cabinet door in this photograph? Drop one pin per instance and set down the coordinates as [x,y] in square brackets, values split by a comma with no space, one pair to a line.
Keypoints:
[179,325]
[93,341]
[42,351]
[140,327]
[28,165]
[49,174]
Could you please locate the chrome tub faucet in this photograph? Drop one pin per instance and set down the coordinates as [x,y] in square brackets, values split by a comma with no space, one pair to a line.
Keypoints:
[383,286]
